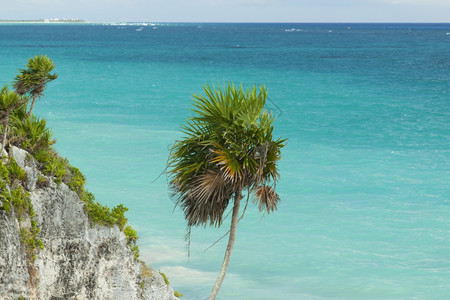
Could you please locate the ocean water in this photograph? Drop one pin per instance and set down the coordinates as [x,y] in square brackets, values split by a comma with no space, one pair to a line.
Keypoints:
[364,179]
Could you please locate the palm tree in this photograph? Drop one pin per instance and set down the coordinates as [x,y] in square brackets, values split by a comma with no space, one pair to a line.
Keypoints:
[9,101]
[228,151]
[33,80]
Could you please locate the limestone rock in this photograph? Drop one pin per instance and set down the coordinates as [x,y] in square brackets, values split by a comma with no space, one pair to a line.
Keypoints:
[28,164]
[78,261]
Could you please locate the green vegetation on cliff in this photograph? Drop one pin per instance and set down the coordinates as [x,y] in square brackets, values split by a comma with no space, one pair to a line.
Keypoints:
[13,196]
[26,131]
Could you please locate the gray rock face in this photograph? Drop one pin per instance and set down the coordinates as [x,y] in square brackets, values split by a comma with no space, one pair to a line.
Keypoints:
[13,265]
[78,261]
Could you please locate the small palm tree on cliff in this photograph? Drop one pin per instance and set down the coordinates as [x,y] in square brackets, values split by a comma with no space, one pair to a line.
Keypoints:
[228,151]
[9,101]
[33,80]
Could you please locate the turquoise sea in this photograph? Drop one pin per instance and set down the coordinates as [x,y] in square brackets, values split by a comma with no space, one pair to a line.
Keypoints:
[365,178]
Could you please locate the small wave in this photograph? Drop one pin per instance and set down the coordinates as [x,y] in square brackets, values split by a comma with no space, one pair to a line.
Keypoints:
[432,195]
[293,30]
[130,23]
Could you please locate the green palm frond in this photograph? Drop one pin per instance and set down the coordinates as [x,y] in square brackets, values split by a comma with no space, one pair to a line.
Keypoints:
[254,105]
[228,164]
[9,100]
[31,133]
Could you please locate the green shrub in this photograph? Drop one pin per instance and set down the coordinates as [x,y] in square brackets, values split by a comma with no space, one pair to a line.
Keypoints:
[102,214]
[118,213]
[61,169]
[21,201]
[131,235]
[57,166]
[146,271]
[15,172]
[6,204]
[41,181]
[44,156]
[4,173]
[31,241]
[77,180]
[19,113]
[4,182]
[177,294]
[30,133]
[88,198]
[52,164]
[166,280]
[135,250]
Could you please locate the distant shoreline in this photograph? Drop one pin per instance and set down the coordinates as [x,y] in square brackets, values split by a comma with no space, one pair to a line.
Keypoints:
[45,21]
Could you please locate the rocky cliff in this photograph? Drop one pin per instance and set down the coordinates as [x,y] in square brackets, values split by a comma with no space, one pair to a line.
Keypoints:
[79,260]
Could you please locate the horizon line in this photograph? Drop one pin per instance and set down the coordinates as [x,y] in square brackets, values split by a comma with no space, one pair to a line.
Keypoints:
[81,21]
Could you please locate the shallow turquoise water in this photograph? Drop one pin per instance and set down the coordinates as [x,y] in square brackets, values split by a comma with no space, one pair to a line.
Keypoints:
[364,178]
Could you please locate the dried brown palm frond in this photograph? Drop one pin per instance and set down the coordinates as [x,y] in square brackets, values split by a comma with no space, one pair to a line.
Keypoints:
[266,198]
[206,199]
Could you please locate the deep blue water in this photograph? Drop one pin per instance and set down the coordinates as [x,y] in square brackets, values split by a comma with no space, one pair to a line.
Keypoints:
[364,179]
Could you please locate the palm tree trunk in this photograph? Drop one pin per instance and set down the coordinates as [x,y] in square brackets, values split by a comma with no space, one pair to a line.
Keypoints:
[231,239]
[32,105]
[5,130]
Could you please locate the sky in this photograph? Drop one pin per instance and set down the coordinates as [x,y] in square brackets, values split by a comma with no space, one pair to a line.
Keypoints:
[436,11]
